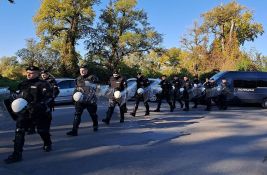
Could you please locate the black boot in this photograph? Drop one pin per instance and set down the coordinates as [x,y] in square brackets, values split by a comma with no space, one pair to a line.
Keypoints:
[134,111]
[106,121]
[14,157]
[108,116]
[121,114]
[147,108]
[95,122]
[76,123]
[46,137]
[171,107]
[47,148]
[72,133]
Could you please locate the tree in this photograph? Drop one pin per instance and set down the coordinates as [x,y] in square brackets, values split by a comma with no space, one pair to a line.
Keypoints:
[231,21]
[215,44]
[231,25]
[196,44]
[61,23]
[34,54]
[10,67]
[122,30]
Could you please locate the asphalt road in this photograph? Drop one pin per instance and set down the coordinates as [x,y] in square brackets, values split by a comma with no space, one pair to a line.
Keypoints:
[232,142]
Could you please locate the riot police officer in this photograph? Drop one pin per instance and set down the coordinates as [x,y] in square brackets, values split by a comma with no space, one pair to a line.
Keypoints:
[165,94]
[141,83]
[176,93]
[55,91]
[45,75]
[186,87]
[222,98]
[86,87]
[195,84]
[117,85]
[34,94]
[209,88]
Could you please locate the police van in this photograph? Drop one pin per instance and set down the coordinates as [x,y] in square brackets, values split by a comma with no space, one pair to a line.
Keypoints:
[245,87]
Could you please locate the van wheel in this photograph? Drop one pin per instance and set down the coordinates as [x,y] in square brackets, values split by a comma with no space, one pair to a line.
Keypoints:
[264,103]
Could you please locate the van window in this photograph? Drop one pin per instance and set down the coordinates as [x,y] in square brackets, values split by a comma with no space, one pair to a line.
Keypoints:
[217,76]
[65,84]
[245,84]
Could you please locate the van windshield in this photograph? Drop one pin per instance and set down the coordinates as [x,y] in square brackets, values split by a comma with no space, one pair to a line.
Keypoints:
[217,76]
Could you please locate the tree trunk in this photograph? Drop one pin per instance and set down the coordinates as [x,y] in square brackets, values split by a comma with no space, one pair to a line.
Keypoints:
[222,38]
[231,31]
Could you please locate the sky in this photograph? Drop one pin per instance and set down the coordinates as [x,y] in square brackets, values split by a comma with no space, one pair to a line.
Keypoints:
[172,18]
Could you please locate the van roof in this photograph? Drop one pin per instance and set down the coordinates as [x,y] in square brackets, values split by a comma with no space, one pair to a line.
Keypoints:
[240,74]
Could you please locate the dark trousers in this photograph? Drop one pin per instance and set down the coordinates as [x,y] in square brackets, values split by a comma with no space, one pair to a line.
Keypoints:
[164,96]
[23,122]
[195,100]
[137,101]
[176,96]
[208,103]
[222,104]
[79,108]
[112,105]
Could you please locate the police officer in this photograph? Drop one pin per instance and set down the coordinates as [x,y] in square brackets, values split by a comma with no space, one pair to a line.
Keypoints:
[223,95]
[186,87]
[118,84]
[209,85]
[55,91]
[176,94]
[142,83]
[195,83]
[85,85]
[45,75]
[34,93]
[166,92]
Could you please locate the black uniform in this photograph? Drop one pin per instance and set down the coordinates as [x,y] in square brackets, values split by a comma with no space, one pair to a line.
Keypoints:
[55,91]
[85,84]
[222,98]
[116,84]
[54,86]
[141,82]
[176,94]
[187,86]
[165,94]
[208,87]
[37,93]
[195,99]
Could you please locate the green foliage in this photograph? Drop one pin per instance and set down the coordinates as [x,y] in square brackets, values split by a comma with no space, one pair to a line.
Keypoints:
[9,67]
[127,71]
[42,57]
[61,23]
[225,20]
[215,44]
[101,72]
[247,64]
[122,30]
